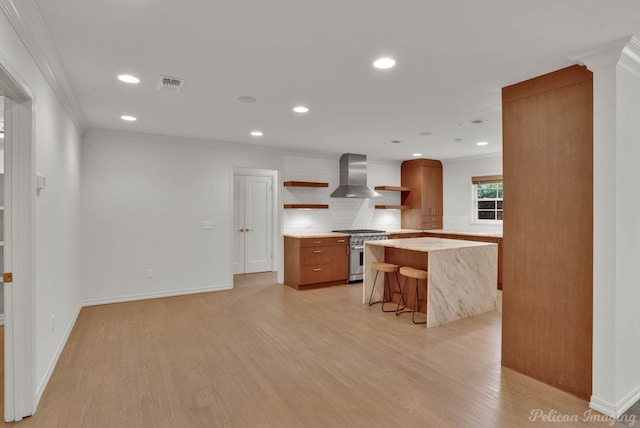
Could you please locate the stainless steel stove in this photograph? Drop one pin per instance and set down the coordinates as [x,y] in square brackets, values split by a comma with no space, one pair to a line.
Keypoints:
[357,237]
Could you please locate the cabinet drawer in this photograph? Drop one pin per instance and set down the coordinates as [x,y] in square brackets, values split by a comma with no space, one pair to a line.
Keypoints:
[321,242]
[317,255]
[430,222]
[432,226]
[314,274]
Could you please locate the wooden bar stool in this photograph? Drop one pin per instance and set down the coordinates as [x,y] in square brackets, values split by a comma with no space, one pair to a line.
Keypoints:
[417,274]
[387,268]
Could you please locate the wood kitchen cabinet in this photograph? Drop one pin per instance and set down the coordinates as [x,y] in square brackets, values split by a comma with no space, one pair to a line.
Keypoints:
[315,262]
[547,313]
[424,202]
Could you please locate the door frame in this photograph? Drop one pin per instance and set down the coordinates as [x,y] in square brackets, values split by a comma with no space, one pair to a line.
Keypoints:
[19,358]
[275,217]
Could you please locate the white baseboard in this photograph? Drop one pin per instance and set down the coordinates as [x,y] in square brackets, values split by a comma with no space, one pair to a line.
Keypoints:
[618,409]
[145,296]
[54,361]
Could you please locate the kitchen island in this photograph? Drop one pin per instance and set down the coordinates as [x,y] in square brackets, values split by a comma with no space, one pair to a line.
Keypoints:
[461,280]
[469,235]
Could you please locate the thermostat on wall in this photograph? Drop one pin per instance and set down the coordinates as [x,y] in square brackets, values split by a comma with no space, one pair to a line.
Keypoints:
[41,182]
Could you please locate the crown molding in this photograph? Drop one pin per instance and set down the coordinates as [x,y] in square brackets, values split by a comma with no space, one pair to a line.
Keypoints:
[603,56]
[28,23]
[630,58]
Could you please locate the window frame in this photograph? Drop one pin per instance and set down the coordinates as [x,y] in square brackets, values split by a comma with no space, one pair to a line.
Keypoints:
[485,179]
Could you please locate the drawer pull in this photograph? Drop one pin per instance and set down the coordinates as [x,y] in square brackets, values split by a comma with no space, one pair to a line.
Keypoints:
[317,251]
[340,241]
[317,269]
[317,242]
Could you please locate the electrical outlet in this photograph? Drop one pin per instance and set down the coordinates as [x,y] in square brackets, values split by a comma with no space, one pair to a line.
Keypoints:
[149,273]
[207,224]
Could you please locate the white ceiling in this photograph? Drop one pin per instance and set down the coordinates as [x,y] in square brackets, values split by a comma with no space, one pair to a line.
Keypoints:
[453,57]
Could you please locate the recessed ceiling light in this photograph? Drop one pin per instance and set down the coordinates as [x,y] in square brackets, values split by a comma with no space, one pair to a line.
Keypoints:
[482,143]
[128,118]
[127,78]
[478,121]
[384,63]
[417,155]
[246,99]
[256,133]
[395,141]
[301,109]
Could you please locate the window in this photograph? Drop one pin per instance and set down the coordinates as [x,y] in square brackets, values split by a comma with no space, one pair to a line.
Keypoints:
[487,199]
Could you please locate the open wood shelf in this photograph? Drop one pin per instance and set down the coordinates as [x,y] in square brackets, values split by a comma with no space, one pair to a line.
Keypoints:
[394,188]
[305,184]
[307,206]
[391,207]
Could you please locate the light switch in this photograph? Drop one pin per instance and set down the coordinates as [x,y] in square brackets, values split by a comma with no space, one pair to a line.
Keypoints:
[207,224]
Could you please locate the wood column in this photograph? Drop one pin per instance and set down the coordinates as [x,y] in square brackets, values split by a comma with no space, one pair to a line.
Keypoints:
[548,229]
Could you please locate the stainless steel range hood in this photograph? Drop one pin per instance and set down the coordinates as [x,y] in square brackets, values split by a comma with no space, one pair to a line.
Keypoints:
[353,178]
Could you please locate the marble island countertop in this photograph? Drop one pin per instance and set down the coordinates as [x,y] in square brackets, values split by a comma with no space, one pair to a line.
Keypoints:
[428,244]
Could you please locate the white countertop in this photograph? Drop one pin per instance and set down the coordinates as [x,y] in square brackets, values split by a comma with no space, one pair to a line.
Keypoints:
[428,244]
[316,235]
[466,232]
[401,231]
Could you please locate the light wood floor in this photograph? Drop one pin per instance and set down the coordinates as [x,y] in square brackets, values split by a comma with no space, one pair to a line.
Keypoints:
[266,355]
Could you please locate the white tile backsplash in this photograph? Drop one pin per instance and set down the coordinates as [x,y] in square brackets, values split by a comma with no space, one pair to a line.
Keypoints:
[343,213]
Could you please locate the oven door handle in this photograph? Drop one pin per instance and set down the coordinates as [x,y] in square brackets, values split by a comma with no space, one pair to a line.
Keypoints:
[357,247]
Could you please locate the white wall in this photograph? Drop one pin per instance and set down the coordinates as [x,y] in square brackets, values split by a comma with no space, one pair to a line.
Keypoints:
[628,245]
[144,198]
[57,144]
[457,188]
[616,349]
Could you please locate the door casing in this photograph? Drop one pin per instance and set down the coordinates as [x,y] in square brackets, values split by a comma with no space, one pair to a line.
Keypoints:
[275,217]
[19,358]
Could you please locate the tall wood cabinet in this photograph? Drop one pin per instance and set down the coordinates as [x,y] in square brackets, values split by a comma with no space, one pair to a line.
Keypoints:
[548,229]
[424,201]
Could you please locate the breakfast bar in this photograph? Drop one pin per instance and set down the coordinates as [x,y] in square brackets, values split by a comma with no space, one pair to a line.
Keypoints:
[461,274]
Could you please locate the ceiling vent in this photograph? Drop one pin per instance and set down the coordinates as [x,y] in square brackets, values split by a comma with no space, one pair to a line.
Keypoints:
[170,83]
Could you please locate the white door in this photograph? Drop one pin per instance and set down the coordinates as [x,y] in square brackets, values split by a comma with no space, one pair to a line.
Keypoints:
[253,223]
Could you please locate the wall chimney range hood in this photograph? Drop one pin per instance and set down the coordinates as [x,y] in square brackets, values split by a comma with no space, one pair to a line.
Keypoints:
[353,178]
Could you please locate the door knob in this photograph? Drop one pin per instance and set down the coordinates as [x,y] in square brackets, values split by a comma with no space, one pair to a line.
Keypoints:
[240,230]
